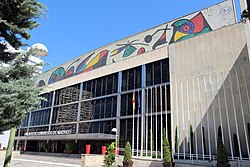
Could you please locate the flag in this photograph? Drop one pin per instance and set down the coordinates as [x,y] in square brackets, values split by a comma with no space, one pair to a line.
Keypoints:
[139,101]
[133,101]
[133,131]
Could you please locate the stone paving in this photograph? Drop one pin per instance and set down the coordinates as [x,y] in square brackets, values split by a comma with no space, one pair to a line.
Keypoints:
[24,160]
[30,160]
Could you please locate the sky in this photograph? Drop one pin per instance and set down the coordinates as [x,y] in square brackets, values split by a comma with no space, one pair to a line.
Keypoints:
[73,28]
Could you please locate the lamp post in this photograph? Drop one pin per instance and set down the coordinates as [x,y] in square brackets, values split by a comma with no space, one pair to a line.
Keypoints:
[115,130]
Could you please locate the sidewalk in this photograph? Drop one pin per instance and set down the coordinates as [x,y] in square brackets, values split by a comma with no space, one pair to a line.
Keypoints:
[27,160]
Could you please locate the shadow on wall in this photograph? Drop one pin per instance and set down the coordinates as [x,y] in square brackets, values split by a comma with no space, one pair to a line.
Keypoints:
[224,104]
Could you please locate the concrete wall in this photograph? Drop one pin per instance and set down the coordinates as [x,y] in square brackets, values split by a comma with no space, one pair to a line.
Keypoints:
[194,24]
[97,160]
[14,154]
[210,83]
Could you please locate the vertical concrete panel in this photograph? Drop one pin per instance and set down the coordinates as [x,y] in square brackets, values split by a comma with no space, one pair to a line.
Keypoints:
[211,56]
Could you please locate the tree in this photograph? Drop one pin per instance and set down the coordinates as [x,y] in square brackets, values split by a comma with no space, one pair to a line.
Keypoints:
[16,18]
[221,152]
[128,152]
[167,155]
[17,83]
[127,159]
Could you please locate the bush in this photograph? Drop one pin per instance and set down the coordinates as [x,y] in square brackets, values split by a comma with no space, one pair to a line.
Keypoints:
[167,155]
[221,152]
[47,145]
[128,152]
[176,140]
[109,159]
[70,147]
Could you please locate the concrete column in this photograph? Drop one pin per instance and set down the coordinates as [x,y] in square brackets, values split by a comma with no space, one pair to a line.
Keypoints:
[79,110]
[51,110]
[118,104]
[243,5]
[143,105]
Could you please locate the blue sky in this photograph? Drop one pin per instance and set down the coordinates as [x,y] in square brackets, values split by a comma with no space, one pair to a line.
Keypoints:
[76,27]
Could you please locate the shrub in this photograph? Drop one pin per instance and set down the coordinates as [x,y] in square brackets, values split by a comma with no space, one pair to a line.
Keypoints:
[176,140]
[167,155]
[221,152]
[109,159]
[47,145]
[70,147]
[128,152]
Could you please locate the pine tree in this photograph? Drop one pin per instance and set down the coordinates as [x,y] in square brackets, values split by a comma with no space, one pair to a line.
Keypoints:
[17,83]
[167,155]
[16,18]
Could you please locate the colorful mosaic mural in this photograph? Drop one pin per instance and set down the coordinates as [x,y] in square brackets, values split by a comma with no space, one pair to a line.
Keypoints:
[185,28]
[197,23]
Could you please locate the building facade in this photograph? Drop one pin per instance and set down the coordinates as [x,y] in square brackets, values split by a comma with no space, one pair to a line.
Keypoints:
[187,77]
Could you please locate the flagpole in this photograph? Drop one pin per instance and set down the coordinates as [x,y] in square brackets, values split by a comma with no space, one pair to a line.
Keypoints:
[133,131]
[138,108]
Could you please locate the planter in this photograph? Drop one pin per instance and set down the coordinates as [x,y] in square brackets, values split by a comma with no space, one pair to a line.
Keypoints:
[128,163]
[88,148]
[117,150]
[223,165]
[103,150]
[168,164]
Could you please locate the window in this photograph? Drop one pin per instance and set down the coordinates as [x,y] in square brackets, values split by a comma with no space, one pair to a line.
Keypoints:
[48,101]
[157,72]
[40,117]
[97,109]
[100,87]
[131,79]
[126,104]
[97,127]
[158,99]
[26,120]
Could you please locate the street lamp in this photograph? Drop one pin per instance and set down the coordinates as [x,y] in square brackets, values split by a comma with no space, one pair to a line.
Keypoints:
[115,130]
[40,50]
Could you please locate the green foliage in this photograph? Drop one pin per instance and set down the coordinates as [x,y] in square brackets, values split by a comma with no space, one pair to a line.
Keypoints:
[221,152]
[47,145]
[16,19]
[152,139]
[70,146]
[17,83]
[176,140]
[109,158]
[18,94]
[128,152]
[191,138]
[167,155]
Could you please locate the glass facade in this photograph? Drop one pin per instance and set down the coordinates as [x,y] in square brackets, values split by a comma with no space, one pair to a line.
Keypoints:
[98,105]
[157,72]
[40,117]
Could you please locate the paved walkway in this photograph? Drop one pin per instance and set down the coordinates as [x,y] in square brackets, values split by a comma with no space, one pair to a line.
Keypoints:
[37,160]
[41,161]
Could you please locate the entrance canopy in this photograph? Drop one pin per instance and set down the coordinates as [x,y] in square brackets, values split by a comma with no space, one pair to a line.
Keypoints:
[88,136]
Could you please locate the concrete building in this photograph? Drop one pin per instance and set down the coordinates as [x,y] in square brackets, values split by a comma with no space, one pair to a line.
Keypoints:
[189,77]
